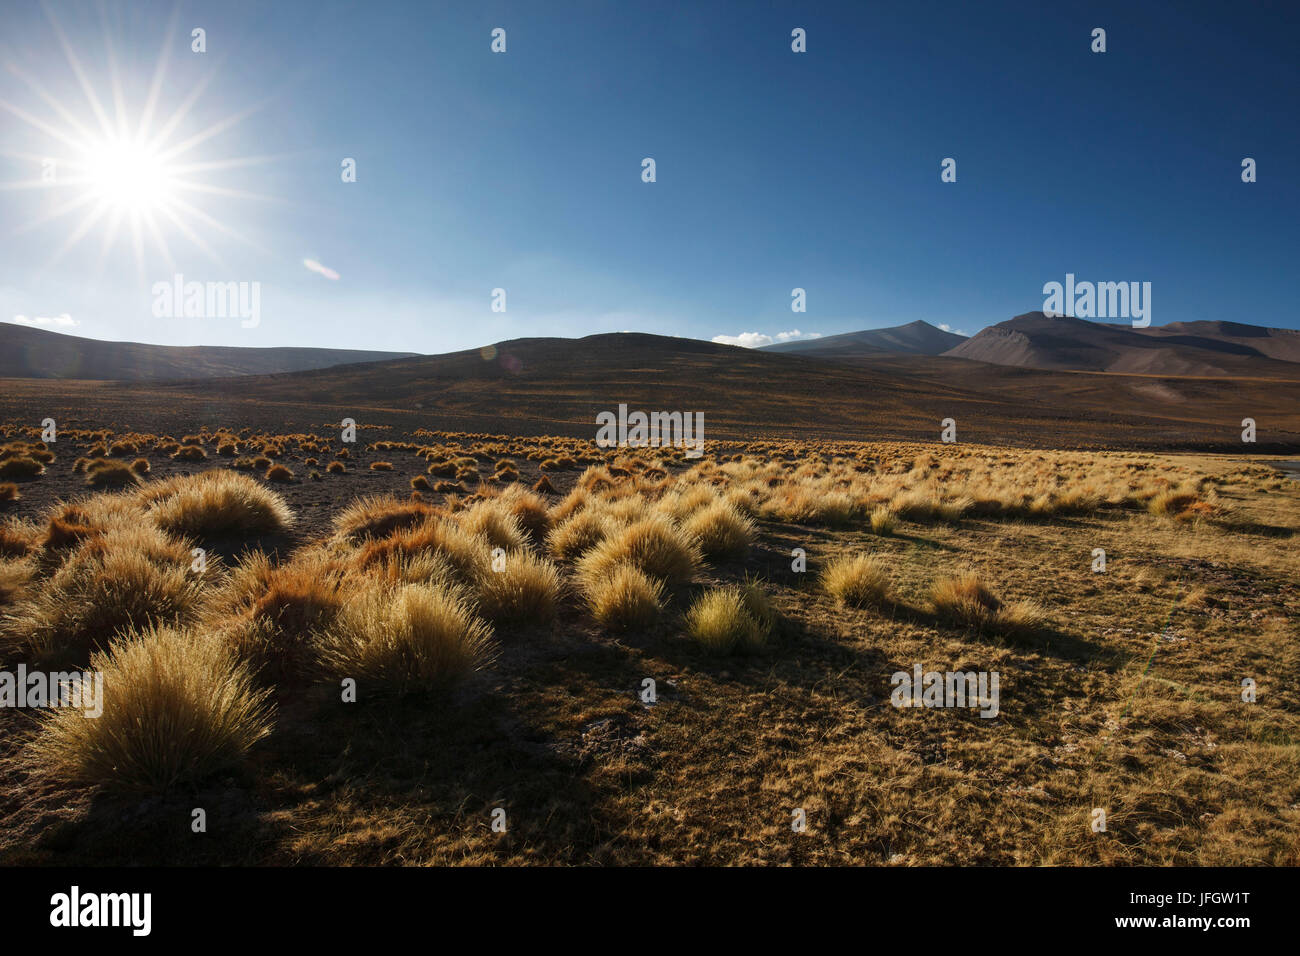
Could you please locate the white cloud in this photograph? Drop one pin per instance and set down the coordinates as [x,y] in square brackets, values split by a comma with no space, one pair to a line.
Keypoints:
[63,321]
[315,266]
[753,340]
[948,328]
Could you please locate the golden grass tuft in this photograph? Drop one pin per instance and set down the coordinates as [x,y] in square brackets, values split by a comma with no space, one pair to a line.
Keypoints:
[856,580]
[721,530]
[493,521]
[883,520]
[721,622]
[965,599]
[578,534]
[177,708]
[21,467]
[652,544]
[189,453]
[625,599]
[110,473]
[378,516]
[527,588]
[215,504]
[407,637]
[131,576]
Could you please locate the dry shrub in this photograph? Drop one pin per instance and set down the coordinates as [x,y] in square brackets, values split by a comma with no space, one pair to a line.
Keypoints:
[721,622]
[652,544]
[856,580]
[407,637]
[177,707]
[217,503]
[625,599]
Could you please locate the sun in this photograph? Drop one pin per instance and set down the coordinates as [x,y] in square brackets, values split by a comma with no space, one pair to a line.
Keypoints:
[133,173]
[128,176]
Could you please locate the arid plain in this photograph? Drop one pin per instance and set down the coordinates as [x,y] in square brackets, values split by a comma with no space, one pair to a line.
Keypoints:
[500,590]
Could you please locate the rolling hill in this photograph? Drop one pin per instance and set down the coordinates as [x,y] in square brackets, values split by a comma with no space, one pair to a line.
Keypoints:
[35,353]
[915,338]
[557,386]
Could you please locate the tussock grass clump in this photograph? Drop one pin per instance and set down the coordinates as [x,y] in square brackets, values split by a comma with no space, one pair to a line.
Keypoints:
[140,466]
[336,468]
[721,530]
[110,473]
[720,621]
[653,544]
[269,614]
[217,503]
[529,509]
[21,467]
[1179,503]
[883,521]
[279,473]
[965,599]
[626,599]
[378,516]
[409,636]
[17,539]
[14,578]
[527,588]
[132,576]
[177,707]
[189,453]
[576,535]
[420,483]
[856,580]
[381,466]
[493,521]
[9,492]
[464,553]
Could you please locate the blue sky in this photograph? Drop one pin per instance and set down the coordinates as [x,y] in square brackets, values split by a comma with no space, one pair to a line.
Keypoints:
[775,170]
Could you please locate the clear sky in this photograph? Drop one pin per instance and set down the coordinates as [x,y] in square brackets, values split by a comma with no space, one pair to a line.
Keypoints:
[523,170]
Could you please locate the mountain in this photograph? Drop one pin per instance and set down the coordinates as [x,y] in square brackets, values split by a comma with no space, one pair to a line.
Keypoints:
[35,353]
[1202,349]
[915,338]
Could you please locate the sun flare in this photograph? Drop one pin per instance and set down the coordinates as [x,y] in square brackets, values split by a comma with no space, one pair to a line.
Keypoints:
[128,176]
